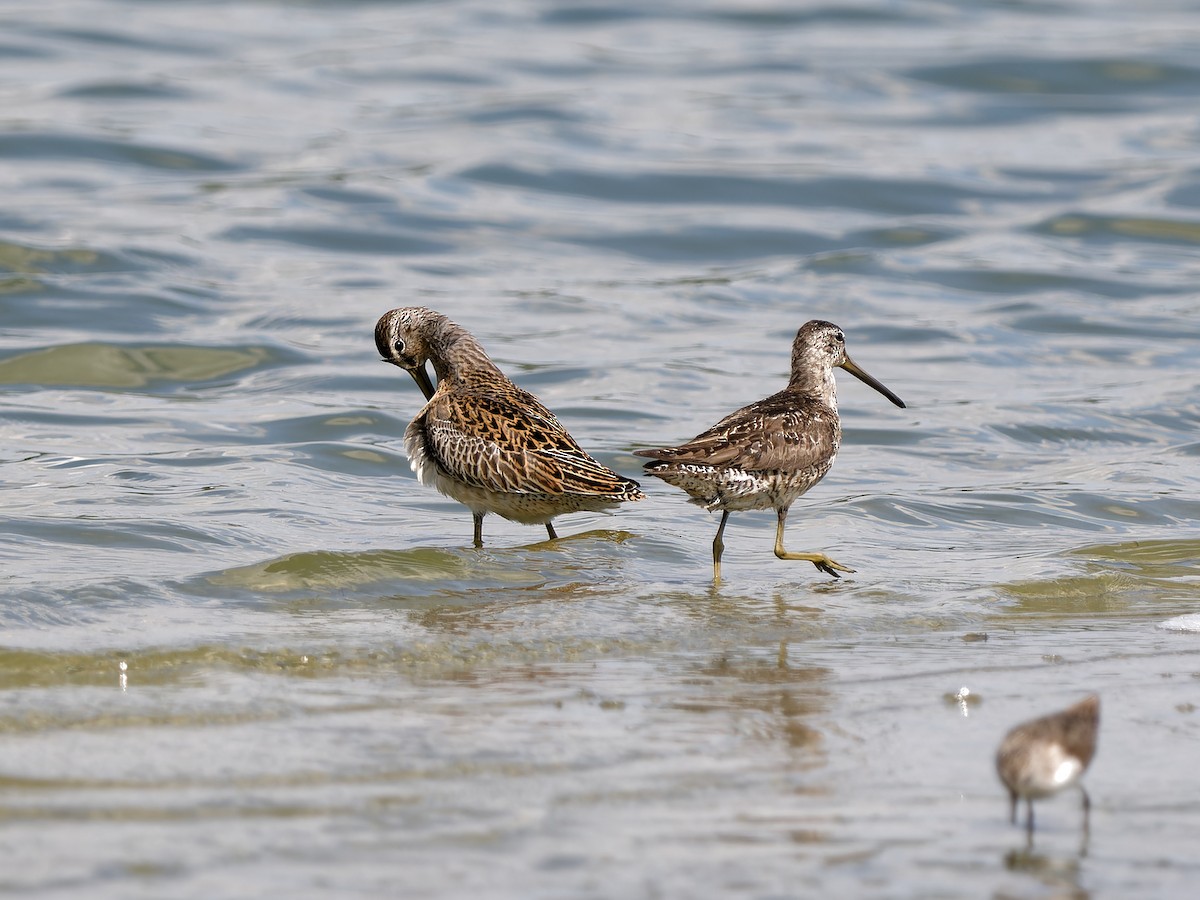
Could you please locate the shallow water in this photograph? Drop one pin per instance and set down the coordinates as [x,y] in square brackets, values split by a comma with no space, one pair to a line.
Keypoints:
[244,651]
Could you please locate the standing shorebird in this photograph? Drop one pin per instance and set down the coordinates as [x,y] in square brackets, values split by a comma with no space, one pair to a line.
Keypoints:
[1041,757]
[484,441]
[767,454]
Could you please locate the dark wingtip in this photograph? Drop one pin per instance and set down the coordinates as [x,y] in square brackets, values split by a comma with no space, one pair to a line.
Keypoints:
[653,452]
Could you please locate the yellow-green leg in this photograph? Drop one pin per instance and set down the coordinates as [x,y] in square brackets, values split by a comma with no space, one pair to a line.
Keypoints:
[478,517]
[820,560]
[719,547]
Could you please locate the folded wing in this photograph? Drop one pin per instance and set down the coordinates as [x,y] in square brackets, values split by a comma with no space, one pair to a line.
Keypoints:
[509,442]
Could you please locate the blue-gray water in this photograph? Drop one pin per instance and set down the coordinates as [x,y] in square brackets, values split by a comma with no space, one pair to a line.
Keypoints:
[328,692]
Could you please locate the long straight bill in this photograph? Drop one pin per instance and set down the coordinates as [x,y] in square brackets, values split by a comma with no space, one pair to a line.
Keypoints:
[421,376]
[861,374]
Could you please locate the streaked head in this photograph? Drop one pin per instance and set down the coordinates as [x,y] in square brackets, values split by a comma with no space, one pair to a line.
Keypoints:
[403,338]
[821,346]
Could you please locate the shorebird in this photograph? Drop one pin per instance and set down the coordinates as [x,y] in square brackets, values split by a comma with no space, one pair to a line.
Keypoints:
[1042,757]
[484,441]
[767,454]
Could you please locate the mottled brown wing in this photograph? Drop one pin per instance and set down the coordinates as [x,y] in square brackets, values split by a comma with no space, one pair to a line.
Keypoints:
[508,441]
[772,435]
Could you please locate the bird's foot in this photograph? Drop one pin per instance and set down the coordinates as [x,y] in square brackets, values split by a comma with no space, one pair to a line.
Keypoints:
[820,560]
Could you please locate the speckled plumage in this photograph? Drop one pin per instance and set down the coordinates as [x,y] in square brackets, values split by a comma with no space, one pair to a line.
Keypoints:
[767,454]
[484,441]
[1042,757]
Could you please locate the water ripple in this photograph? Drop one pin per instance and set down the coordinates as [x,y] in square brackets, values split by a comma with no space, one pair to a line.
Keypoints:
[891,197]
[42,146]
[1096,228]
[338,239]
[109,366]
[1067,78]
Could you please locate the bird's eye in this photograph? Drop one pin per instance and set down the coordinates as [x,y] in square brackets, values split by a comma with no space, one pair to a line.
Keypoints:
[398,346]
[839,337]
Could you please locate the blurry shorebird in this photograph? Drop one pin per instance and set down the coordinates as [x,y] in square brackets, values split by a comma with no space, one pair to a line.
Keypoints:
[1042,757]
[767,454]
[484,441]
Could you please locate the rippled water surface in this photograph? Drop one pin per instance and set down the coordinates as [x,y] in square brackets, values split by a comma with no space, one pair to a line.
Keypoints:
[243,652]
